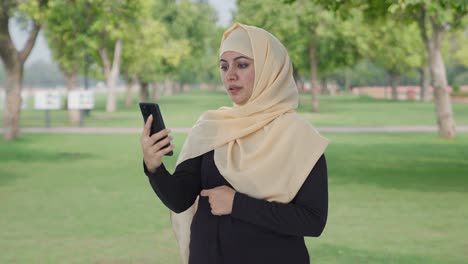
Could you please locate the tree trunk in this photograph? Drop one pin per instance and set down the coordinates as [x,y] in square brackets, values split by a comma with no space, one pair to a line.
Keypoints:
[425,67]
[299,81]
[156,91]
[169,87]
[128,94]
[443,103]
[314,77]
[130,83]
[425,82]
[144,92]
[177,87]
[394,81]
[13,60]
[13,101]
[186,87]
[347,84]
[73,114]
[324,89]
[300,84]
[112,73]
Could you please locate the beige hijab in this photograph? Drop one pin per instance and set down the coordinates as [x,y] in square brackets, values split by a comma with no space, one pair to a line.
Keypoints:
[263,148]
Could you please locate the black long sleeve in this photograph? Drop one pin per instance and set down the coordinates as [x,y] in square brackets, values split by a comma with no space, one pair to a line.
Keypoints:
[179,190]
[306,215]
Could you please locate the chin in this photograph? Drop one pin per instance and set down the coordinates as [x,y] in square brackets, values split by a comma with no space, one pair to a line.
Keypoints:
[239,102]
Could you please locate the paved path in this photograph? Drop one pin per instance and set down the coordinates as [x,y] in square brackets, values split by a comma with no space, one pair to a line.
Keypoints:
[128,130]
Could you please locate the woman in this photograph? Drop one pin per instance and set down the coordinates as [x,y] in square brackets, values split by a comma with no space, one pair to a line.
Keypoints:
[257,167]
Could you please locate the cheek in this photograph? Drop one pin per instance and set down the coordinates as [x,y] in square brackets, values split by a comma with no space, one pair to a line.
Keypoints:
[251,80]
[222,76]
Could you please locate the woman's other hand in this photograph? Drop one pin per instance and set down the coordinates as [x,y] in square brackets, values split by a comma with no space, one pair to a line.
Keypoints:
[152,151]
[221,199]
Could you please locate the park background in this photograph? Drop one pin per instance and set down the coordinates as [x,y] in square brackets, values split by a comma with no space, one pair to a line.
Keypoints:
[76,193]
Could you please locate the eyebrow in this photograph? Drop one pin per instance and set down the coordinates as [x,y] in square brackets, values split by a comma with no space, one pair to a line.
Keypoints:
[236,58]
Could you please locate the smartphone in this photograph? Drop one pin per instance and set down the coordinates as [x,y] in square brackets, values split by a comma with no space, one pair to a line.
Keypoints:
[148,109]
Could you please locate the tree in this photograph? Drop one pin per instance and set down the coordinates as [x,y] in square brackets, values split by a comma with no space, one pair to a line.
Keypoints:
[441,15]
[42,74]
[342,43]
[109,23]
[395,47]
[151,50]
[435,18]
[318,42]
[425,70]
[298,31]
[456,56]
[460,50]
[32,11]
[66,33]
[195,23]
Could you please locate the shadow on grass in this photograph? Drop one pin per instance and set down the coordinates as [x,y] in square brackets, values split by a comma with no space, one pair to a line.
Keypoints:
[23,155]
[424,167]
[7,176]
[327,253]
[11,157]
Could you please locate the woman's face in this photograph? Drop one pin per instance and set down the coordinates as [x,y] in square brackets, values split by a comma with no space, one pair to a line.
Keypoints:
[238,75]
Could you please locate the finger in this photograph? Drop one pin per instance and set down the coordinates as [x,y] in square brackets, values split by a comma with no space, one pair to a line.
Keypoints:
[205,193]
[148,144]
[147,127]
[216,212]
[156,138]
[163,151]
[168,149]
[161,144]
[161,134]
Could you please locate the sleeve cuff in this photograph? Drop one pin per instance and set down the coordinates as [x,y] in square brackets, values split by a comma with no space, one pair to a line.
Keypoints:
[156,172]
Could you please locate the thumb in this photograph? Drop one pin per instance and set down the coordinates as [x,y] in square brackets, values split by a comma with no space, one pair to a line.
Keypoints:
[205,193]
[147,127]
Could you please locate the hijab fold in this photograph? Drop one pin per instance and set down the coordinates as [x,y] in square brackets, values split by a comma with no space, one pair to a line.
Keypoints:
[263,148]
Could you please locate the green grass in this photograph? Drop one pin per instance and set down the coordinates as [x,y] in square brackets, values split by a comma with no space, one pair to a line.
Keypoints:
[352,110]
[183,110]
[394,198]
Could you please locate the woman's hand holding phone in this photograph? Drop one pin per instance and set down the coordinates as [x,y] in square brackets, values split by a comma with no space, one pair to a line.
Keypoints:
[153,150]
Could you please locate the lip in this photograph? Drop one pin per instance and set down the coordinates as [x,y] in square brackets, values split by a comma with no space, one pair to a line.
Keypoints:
[234,87]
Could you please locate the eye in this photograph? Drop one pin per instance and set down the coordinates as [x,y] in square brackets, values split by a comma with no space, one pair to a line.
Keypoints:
[242,65]
[223,67]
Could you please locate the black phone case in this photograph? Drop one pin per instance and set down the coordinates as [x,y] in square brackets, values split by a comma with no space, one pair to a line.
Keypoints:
[148,109]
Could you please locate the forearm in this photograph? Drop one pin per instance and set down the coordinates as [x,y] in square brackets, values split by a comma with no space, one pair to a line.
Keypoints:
[178,191]
[289,219]
[306,215]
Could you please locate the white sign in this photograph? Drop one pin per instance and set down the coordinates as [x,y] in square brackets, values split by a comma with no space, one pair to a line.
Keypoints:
[24,99]
[81,100]
[47,100]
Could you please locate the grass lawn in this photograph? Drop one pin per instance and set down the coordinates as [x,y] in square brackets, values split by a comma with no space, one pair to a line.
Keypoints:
[183,110]
[394,198]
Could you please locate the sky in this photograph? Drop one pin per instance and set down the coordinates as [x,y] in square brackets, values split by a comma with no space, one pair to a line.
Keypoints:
[41,50]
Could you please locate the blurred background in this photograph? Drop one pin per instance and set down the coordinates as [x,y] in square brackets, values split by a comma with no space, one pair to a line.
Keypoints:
[385,81]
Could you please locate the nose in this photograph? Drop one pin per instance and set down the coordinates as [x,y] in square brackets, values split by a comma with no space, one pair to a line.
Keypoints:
[231,74]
